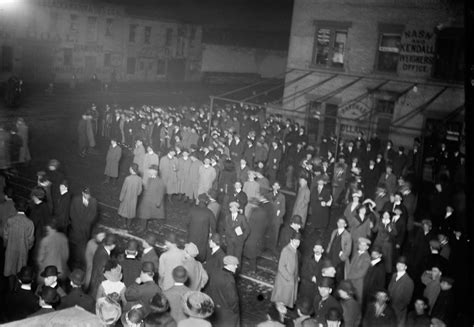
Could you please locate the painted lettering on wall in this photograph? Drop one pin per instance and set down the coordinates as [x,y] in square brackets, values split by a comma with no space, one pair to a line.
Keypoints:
[354,110]
[417,52]
[87,8]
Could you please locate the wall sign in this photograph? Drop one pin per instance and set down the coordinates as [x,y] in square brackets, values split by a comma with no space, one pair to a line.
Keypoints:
[417,52]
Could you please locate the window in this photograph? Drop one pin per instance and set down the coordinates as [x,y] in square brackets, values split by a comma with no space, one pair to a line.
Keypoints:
[91,28]
[449,56]
[160,67]
[330,44]
[74,23]
[131,63]
[385,106]
[169,36]
[109,22]
[67,57]
[147,34]
[107,59]
[6,59]
[132,32]
[388,49]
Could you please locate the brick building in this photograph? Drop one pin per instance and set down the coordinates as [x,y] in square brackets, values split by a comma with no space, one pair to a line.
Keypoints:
[48,40]
[390,67]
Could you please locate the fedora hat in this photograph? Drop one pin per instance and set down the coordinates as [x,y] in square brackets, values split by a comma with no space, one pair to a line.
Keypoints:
[159,303]
[197,304]
[50,271]
[26,275]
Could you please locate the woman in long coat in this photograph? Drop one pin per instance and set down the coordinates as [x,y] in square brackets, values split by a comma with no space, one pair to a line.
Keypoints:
[150,158]
[112,160]
[22,129]
[285,288]
[131,189]
[152,204]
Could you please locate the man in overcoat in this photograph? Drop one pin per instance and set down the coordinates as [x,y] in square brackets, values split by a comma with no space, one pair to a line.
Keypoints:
[131,189]
[321,201]
[62,207]
[375,277]
[101,256]
[400,290]
[278,201]
[236,231]
[199,225]
[300,207]
[340,248]
[112,161]
[169,172]
[223,291]
[311,272]
[77,296]
[152,204]
[285,288]
[83,214]
[358,266]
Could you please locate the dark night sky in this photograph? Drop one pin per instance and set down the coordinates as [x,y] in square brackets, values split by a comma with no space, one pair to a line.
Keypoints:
[262,15]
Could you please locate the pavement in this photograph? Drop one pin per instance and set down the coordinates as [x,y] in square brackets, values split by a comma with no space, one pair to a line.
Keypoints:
[53,123]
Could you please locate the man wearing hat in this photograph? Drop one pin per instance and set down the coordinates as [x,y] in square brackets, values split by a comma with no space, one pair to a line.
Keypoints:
[339,178]
[50,279]
[215,207]
[172,258]
[278,202]
[380,312]
[324,300]
[400,290]
[340,247]
[321,201]
[130,263]
[77,296]
[185,188]
[131,189]
[294,226]
[101,256]
[22,302]
[176,292]
[149,253]
[215,256]
[358,266]
[169,172]
[286,281]
[351,310]
[444,307]
[197,306]
[133,317]
[143,288]
[83,215]
[48,298]
[375,277]
[159,315]
[236,231]
[311,271]
[200,223]
[300,207]
[114,153]
[152,204]
[150,159]
[223,291]
[207,175]
[197,276]
[238,195]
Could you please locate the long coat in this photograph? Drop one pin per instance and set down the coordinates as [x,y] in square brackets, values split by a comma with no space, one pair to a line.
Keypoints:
[18,235]
[152,204]
[61,211]
[201,222]
[185,187]
[101,256]
[82,219]
[24,150]
[139,157]
[400,293]
[54,251]
[310,268]
[359,228]
[320,214]
[82,134]
[374,280]
[285,288]
[131,189]
[112,161]
[168,261]
[300,207]
[258,222]
[385,239]
[278,201]
[168,171]
[193,178]
[223,291]
[207,175]
[356,270]
[148,160]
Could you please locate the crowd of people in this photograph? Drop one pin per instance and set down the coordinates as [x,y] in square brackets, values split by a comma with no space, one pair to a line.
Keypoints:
[390,261]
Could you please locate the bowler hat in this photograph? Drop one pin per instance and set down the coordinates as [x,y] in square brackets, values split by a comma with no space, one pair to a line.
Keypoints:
[347,286]
[49,295]
[333,315]
[159,303]
[377,248]
[402,259]
[148,267]
[305,306]
[77,276]
[49,271]
[26,275]
[180,275]
[326,282]
[296,219]
[447,279]
[203,198]
[197,304]
[150,238]
[132,246]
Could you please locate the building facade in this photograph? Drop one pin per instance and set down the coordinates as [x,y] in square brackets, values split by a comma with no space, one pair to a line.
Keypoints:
[393,68]
[52,40]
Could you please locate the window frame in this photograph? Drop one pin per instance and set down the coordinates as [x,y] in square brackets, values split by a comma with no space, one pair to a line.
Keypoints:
[145,39]
[333,26]
[133,27]
[387,29]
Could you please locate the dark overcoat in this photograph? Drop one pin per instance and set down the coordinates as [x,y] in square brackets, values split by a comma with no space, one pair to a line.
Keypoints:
[151,203]
[223,291]
[320,214]
[258,222]
[200,223]
[98,263]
